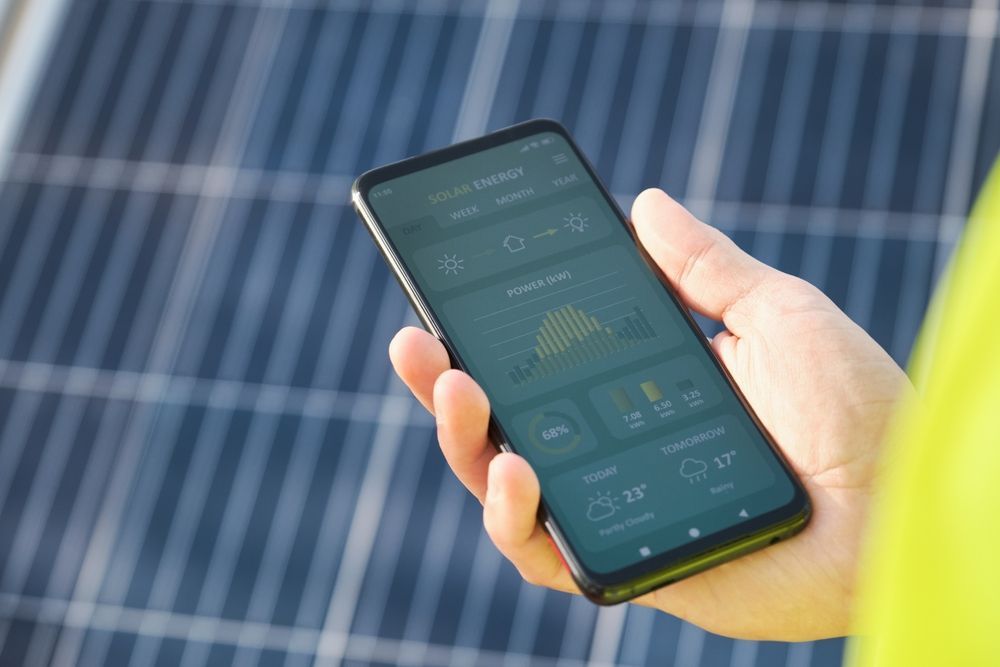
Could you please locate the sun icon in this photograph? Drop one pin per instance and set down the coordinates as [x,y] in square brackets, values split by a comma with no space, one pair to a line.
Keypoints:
[451,264]
[576,222]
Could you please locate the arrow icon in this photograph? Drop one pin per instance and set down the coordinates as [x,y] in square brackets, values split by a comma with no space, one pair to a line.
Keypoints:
[743,514]
[547,232]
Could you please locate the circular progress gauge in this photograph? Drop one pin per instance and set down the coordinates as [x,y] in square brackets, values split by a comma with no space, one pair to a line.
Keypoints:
[554,432]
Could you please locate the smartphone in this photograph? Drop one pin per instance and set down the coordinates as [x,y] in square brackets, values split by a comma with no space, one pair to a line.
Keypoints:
[652,465]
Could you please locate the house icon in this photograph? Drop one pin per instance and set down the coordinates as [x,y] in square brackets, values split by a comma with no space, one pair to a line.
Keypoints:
[513,243]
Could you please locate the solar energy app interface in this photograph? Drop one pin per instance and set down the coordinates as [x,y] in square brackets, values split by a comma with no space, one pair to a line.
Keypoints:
[598,381]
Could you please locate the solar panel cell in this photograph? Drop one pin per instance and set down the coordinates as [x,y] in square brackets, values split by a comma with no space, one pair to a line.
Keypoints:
[204,458]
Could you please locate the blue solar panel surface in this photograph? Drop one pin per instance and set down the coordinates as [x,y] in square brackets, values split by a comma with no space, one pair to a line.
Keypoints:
[204,458]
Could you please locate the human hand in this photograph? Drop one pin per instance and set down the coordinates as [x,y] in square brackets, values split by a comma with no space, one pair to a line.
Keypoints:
[821,386]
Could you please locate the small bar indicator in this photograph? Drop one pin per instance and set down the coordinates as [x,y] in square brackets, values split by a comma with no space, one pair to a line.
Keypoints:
[621,399]
[652,391]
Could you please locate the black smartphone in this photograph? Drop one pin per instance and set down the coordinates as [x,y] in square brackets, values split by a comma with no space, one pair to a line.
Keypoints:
[652,465]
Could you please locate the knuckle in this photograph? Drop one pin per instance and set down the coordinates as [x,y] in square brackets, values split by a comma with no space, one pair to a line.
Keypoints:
[694,262]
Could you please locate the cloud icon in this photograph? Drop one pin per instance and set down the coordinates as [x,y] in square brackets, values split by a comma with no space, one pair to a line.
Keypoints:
[693,468]
[601,508]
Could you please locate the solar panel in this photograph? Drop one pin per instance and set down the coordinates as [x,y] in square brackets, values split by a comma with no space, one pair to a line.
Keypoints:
[204,457]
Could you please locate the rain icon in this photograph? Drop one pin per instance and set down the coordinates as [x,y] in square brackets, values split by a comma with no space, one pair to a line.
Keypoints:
[693,470]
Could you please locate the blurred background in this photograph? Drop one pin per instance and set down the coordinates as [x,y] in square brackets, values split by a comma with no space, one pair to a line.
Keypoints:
[204,457]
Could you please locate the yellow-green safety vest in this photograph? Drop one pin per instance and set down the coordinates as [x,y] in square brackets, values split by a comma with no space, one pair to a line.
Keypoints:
[929,588]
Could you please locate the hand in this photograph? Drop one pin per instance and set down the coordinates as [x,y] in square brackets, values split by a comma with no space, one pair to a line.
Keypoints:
[822,387]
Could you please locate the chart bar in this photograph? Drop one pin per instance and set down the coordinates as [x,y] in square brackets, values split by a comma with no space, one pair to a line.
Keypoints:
[621,400]
[652,391]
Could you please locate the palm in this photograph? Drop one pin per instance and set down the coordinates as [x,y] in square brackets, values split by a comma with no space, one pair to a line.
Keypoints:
[821,387]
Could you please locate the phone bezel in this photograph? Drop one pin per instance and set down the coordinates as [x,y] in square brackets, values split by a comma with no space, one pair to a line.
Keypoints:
[644,574]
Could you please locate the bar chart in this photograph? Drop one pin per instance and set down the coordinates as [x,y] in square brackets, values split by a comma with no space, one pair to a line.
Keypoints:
[562,323]
[569,337]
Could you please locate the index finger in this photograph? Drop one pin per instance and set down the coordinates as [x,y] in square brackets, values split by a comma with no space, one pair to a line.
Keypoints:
[419,359]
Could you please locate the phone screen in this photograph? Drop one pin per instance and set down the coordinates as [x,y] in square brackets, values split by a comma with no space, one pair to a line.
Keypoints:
[593,373]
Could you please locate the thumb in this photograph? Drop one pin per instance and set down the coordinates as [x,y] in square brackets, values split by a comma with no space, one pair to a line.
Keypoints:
[710,273]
